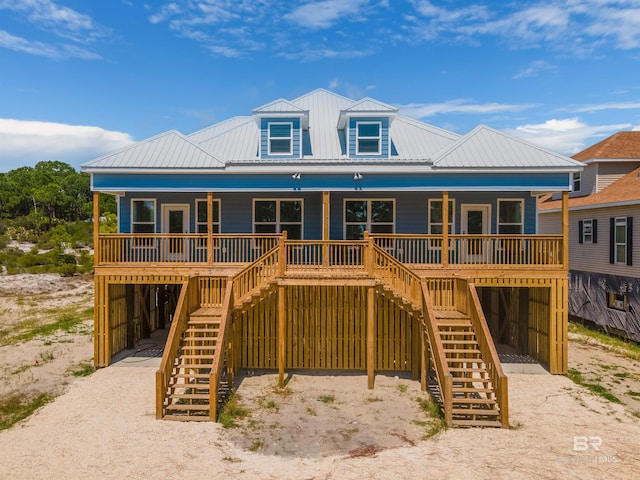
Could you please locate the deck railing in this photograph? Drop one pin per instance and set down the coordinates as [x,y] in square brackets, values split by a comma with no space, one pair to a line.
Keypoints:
[424,251]
[475,250]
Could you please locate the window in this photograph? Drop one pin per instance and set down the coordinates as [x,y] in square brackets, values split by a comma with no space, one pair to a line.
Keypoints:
[617,301]
[143,216]
[576,181]
[368,138]
[510,217]
[620,240]
[280,138]
[374,216]
[435,216]
[276,216]
[588,231]
[201,216]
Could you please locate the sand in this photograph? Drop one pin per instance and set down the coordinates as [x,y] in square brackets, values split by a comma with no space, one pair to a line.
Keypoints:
[104,426]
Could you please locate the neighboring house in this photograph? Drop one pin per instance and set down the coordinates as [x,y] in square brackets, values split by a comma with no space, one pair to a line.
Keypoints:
[327,233]
[604,285]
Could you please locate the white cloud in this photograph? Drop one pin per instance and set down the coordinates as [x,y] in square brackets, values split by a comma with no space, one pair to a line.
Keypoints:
[535,69]
[25,142]
[607,106]
[424,110]
[567,136]
[325,13]
[54,52]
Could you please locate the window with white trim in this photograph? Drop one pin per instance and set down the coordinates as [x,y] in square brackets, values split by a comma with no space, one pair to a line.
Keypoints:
[510,216]
[371,215]
[435,216]
[577,176]
[143,216]
[620,238]
[617,301]
[278,215]
[280,138]
[368,138]
[201,216]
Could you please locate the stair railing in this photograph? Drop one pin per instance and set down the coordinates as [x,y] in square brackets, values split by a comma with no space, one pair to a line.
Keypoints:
[257,274]
[443,375]
[395,275]
[489,354]
[220,352]
[188,301]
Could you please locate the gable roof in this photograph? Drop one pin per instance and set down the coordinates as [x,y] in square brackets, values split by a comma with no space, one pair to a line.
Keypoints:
[621,145]
[485,147]
[279,106]
[168,150]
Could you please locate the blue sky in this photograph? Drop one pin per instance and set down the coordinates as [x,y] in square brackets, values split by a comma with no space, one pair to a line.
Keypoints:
[80,78]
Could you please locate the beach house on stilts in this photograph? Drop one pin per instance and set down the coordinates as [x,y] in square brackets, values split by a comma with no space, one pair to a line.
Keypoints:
[324,233]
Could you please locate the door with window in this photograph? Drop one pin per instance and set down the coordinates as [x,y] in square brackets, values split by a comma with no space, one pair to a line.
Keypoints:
[175,222]
[475,221]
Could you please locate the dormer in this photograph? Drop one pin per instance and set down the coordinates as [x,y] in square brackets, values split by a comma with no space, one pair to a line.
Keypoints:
[281,125]
[366,125]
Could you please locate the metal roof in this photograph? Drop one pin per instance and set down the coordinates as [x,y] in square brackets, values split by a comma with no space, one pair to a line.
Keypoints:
[236,141]
[169,150]
[485,147]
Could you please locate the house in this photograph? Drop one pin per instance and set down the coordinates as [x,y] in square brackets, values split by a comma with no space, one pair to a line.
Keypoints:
[604,266]
[327,233]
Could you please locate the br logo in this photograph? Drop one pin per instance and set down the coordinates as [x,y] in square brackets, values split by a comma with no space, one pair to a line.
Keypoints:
[583,444]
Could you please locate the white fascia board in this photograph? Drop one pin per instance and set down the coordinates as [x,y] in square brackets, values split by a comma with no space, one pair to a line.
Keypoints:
[594,206]
[610,160]
[506,170]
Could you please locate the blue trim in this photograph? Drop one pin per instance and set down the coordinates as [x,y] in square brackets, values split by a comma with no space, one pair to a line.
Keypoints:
[330,182]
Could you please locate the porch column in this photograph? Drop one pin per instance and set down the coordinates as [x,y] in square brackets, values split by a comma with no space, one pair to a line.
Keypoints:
[445,229]
[325,215]
[565,230]
[96,228]
[209,228]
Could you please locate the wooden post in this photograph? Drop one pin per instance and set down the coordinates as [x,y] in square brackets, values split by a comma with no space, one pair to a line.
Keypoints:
[325,228]
[281,334]
[368,256]
[371,341]
[445,229]
[282,254]
[209,228]
[96,228]
[565,230]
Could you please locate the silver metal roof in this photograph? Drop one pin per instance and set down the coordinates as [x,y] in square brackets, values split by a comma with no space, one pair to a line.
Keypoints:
[485,147]
[169,150]
[235,142]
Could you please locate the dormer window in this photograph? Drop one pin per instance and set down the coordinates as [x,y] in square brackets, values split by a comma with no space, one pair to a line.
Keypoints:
[280,138]
[576,181]
[368,138]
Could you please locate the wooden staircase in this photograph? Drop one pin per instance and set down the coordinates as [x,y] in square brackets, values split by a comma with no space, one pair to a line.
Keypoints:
[188,394]
[474,400]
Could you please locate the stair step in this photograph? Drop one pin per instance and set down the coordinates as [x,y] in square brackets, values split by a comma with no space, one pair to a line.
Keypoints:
[471,390]
[194,366]
[190,396]
[475,411]
[478,401]
[459,342]
[200,339]
[466,351]
[187,418]
[467,370]
[456,332]
[454,323]
[192,356]
[476,423]
[471,380]
[191,376]
[198,347]
[186,407]
[204,321]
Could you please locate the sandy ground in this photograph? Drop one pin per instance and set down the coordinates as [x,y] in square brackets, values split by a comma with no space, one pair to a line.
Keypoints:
[320,426]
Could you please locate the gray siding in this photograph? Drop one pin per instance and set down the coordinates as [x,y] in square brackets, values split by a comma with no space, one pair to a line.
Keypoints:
[609,172]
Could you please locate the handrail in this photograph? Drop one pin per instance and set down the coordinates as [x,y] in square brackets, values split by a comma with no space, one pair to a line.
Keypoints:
[397,276]
[489,355]
[253,276]
[187,302]
[492,250]
[443,375]
[221,347]
[304,254]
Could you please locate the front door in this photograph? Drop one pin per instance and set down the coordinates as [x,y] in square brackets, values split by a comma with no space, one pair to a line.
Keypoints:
[175,221]
[475,221]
